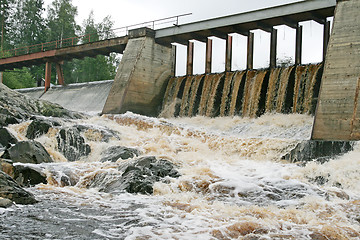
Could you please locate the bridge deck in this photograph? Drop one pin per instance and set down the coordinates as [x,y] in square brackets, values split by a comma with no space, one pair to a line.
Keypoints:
[104,47]
[242,23]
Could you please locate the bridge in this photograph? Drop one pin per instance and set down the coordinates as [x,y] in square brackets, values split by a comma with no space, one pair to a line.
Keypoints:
[149,59]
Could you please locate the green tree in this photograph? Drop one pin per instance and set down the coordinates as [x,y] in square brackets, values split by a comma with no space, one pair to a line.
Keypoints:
[101,67]
[6,10]
[19,78]
[28,26]
[62,25]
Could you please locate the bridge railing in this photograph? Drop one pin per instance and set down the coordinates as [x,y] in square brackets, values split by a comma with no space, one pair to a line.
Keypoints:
[93,37]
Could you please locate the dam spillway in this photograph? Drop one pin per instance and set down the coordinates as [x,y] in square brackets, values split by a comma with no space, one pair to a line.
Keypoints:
[248,93]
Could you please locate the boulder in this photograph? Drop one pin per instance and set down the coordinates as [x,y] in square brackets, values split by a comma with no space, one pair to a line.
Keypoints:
[138,176]
[27,152]
[320,151]
[7,167]
[5,203]
[71,144]
[39,127]
[115,153]
[11,190]
[6,138]
[97,134]
[28,176]
[16,107]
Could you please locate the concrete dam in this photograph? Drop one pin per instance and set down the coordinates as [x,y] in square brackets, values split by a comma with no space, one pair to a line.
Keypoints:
[292,89]
[145,81]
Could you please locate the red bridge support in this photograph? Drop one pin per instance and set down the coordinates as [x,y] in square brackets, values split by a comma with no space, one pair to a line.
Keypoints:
[59,72]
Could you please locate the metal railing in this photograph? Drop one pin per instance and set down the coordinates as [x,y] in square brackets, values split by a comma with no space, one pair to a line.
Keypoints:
[93,37]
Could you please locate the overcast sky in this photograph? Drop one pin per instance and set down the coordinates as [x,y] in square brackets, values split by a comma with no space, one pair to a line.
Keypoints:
[128,12]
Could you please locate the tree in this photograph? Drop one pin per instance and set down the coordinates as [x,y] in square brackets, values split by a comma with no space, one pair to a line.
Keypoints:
[101,67]
[61,20]
[62,25]
[28,26]
[6,10]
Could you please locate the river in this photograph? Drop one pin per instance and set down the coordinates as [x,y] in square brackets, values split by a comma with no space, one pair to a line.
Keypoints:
[233,184]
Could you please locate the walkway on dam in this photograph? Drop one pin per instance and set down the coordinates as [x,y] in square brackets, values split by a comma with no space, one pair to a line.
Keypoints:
[264,19]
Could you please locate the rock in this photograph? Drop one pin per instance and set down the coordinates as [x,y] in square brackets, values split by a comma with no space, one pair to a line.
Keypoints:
[11,190]
[39,127]
[6,138]
[7,167]
[97,134]
[72,144]
[5,203]
[320,151]
[16,107]
[27,152]
[138,176]
[114,153]
[28,176]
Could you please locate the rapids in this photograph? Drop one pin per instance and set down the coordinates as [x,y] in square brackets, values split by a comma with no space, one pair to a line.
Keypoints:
[233,184]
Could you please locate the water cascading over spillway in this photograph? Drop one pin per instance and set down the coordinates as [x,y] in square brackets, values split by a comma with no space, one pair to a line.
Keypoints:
[248,93]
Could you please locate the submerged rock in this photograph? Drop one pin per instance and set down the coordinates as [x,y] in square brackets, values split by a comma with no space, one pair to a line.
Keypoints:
[138,176]
[11,190]
[71,144]
[115,153]
[39,127]
[98,134]
[5,203]
[6,138]
[27,152]
[320,151]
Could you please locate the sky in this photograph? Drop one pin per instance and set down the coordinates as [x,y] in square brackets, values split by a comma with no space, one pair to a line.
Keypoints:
[128,12]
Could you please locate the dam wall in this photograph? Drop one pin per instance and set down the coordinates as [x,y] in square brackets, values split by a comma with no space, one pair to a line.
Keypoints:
[248,93]
[82,97]
[142,75]
[338,111]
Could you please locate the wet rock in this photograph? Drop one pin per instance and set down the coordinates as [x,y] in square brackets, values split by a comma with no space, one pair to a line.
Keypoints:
[320,151]
[72,144]
[138,176]
[6,165]
[5,203]
[6,138]
[97,134]
[16,107]
[28,176]
[115,153]
[11,190]
[39,127]
[27,152]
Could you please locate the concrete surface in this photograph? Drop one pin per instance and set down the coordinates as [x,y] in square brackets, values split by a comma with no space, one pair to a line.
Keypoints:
[337,115]
[83,97]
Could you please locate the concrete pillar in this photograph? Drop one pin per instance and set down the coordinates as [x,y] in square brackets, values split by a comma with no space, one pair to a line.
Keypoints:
[228,55]
[337,114]
[326,38]
[273,48]
[250,51]
[60,74]
[142,75]
[298,45]
[208,58]
[190,59]
[47,75]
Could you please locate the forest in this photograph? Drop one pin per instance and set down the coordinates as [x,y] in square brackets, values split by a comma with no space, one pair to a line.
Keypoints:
[27,22]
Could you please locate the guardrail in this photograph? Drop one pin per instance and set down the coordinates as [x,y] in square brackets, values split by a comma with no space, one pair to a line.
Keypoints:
[93,37]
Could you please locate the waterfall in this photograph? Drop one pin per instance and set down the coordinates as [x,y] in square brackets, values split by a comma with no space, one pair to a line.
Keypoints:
[248,93]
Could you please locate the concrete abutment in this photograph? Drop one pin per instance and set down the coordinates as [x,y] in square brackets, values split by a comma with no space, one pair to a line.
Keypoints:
[142,75]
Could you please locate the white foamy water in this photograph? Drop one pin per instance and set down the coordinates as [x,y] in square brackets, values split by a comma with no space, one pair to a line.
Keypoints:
[233,184]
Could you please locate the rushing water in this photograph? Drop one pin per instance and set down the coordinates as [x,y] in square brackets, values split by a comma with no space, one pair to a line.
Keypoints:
[233,184]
